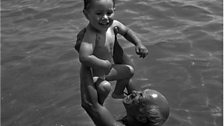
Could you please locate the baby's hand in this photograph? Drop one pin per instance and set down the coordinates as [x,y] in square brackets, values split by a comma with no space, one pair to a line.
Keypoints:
[141,50]
[109,66]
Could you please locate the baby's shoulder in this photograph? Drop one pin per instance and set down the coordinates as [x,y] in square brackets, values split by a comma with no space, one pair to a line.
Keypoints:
[116,23]
[84,35]
[89,36]
[116,26]
[119,27]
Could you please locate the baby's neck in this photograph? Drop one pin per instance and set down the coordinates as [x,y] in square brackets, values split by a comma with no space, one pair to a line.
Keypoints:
[92,28]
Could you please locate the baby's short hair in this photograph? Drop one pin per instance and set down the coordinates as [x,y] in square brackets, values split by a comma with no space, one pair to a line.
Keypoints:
[88,2]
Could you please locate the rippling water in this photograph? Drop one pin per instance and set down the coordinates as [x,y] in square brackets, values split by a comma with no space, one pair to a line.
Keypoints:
[40,69]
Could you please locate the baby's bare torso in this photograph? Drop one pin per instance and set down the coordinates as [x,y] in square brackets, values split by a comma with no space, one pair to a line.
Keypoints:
[103,49]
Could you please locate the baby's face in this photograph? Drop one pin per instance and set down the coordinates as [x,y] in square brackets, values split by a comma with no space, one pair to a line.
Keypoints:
[100,14]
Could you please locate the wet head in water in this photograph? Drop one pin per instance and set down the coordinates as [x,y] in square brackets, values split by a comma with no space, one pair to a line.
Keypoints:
[146,108]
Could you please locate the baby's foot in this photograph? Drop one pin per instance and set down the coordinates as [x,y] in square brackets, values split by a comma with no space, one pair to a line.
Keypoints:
[118,96]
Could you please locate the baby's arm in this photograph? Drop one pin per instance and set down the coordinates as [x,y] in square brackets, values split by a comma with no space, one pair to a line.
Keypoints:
[87,58]
[128,34]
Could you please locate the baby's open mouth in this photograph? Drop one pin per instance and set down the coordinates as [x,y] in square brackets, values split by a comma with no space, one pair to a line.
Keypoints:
[105,23]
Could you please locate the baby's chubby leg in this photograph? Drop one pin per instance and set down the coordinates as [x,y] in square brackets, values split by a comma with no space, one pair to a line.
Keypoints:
[122,59]
[122,73]
[103,88]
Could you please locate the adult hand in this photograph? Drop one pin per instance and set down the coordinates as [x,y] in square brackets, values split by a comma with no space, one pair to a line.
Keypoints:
[141,50]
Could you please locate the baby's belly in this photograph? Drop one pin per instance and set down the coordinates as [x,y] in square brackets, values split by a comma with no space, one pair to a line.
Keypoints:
[100,72]
[104,55]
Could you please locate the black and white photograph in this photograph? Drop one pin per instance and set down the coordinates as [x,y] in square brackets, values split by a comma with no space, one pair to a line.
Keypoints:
[111,62]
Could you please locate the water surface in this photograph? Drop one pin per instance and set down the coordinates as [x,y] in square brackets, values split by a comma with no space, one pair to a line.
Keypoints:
[40,68]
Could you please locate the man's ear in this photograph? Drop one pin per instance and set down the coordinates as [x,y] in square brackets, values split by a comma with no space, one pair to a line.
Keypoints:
[85,13]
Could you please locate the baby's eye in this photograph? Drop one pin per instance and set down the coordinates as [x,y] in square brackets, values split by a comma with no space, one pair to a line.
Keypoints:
[110,12]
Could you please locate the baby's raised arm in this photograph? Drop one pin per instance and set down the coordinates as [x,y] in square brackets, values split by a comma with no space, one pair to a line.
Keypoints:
[128,34]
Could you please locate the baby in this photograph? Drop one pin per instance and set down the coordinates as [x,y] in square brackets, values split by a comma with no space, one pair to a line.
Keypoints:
[98,47]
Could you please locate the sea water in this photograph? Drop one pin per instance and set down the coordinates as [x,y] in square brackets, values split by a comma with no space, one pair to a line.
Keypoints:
[40,68]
